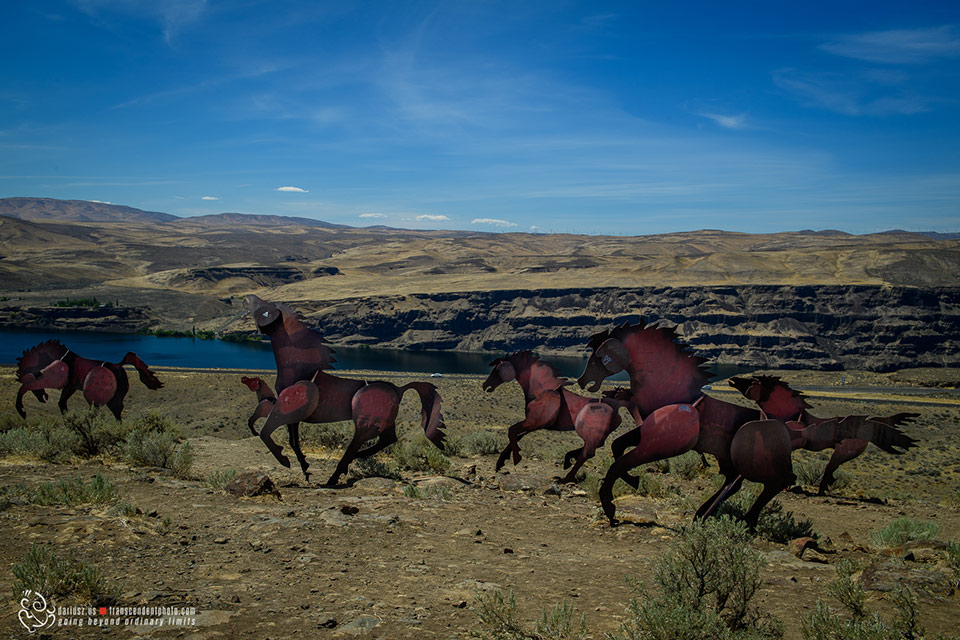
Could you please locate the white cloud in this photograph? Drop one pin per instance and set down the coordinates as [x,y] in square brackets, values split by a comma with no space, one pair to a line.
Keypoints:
[728,122]
[900,46]
[849,95]
[432,218]
[101,202]
[373,215]
[493,221]
[209,198]
[292,189]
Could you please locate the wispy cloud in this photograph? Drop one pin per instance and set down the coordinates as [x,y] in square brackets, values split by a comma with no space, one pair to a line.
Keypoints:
[900,46]
[736,122]
[292,189]
[101,201]
[209,198]
[849,95]
[432,218]
[377,216]
[172,15]
[496,222]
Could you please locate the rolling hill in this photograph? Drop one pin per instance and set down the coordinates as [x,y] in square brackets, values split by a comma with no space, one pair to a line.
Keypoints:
[432,289]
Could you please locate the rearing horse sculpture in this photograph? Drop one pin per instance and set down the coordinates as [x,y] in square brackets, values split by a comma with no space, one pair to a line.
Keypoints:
[777,399]
[306,393]
[549,405]
[50,365]
[665,388]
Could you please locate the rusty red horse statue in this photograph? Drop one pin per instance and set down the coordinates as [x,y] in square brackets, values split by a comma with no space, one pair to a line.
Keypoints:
[778,400]
[550,405]
[306,393]
[666,384]
[50,365]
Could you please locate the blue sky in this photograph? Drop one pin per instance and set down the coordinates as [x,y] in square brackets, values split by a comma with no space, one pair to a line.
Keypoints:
[587,117]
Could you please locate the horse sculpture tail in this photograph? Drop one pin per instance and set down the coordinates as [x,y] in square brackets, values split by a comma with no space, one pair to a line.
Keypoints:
[877,431]
[147,377]
[430,417]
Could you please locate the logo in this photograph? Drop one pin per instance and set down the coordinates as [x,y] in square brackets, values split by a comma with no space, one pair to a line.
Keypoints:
[35,612]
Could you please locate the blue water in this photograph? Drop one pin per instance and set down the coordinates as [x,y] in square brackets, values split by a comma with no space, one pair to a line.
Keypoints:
[210,354]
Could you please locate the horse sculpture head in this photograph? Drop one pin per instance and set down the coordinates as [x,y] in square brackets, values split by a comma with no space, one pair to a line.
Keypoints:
[503,372]
[773,395]
[264,313]
[609,357]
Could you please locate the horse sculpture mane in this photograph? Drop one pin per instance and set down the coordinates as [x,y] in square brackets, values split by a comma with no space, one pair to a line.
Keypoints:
[36,358]
[299,351]
[664,370]
[773,395]
[542,375]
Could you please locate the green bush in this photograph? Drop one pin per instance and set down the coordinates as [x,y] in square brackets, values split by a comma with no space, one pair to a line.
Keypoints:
[97,432]
[47,440]
[809,471]
[498,615]
[475,443]
[10,420]
[158,449]
[855,621]
[221,478]
[773,525]
[70,491]
[904,530]
[688,466]
[648,484]
[126,510]
[706,582]
[61,578]
[953,560]
[374,467]
[327,436]
[419,454]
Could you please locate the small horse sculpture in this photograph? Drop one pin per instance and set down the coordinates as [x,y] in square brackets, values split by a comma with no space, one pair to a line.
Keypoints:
[665,387]
[308,394]
[50,365]
[266,399]
[549,405]
[777,399]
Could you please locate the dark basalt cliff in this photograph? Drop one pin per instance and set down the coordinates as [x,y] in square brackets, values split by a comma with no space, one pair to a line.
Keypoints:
[875,328]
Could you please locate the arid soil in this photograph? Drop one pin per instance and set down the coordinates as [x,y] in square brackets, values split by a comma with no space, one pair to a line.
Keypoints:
[372,560]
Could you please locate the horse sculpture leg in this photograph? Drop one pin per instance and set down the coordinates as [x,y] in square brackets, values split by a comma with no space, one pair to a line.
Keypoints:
[760,450]
[844,452]
[64,396]
[293,433]
[374,408]
[593,424]
[667,432]
[629,439]
[542,412]
[262,411]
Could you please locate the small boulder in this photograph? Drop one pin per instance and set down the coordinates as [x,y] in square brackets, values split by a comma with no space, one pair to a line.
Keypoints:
[252,483]
[797,545]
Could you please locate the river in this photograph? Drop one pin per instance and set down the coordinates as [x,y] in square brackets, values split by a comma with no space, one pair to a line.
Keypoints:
[217,354]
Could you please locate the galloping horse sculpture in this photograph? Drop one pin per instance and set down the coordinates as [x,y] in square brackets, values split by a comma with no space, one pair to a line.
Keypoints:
[777,399]
[50,365]
[665,389]
[549,405]
[308,394]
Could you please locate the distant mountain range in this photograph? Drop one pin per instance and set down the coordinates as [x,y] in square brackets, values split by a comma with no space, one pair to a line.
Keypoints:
[54,210]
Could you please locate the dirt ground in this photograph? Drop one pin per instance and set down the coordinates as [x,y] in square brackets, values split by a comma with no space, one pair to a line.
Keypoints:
[371,560]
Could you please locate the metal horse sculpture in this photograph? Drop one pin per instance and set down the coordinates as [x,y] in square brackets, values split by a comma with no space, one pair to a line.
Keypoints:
[549,405]
[665,389]
[308,394]
[778,400]
[50,365]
